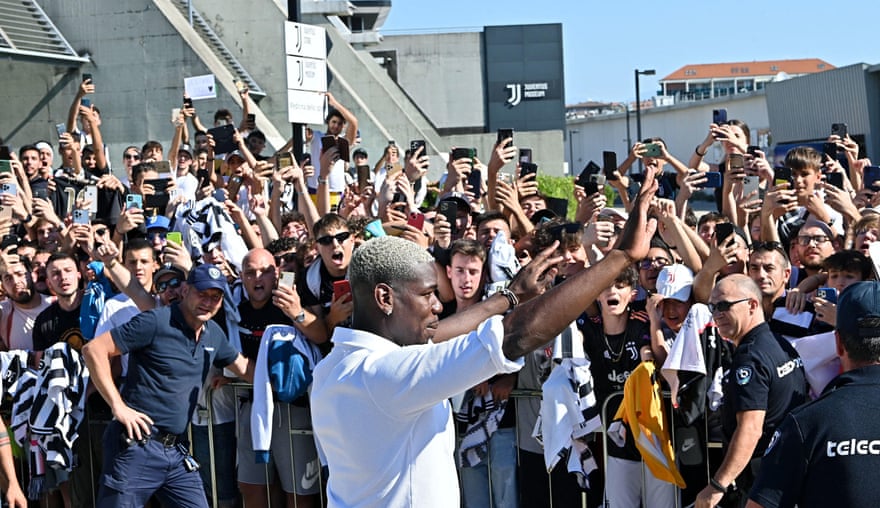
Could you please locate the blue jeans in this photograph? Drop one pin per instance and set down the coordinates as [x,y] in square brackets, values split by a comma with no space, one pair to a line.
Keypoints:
[224,458]
[134,473]
[496,475]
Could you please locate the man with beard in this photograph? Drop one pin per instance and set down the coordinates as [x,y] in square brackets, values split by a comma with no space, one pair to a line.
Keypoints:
[60,321]
[814,242]
[38,271]
[20,310]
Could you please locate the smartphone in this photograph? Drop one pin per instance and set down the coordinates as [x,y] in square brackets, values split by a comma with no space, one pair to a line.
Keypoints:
[449,211]
[391,142]
[341,288]
[835,179]
[713,180]
[327,142]
[584,178]
[174,237]
[652,150]
[839,129]
[8,188]
[416,220]
[87,77]
[527,168]
[609,164]
[91,195]
[187,102]
[134,201]
[288,279]
[830,149]
[525,155]
[594,184]
[735,161]
[363,174]
[504,134]
[872,174]
[284,160]
[60,128]
[5,155]
[175,113]
[475,181]
[5,166]
[719,116]
[342,145]
[220,196]
[723,230]
[164,170]
[464,153]
[252,120]
[9,241]
[415,144]
[750,184]
[783,175]
[80,216]
[753,150]
[827,294]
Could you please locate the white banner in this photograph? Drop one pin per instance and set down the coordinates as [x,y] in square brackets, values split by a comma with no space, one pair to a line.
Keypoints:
[200,87]
[305,107]
[305,40]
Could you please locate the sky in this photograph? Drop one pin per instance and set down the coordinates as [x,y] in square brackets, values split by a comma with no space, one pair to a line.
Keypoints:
[604,42]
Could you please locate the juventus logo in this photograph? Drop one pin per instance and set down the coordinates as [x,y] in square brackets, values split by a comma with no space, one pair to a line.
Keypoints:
[300,70]
[515,98]
[299,39]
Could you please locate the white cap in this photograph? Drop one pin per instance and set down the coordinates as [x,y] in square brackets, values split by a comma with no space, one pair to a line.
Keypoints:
[675,281]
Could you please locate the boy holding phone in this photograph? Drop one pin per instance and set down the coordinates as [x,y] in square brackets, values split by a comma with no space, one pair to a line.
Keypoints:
[340,122]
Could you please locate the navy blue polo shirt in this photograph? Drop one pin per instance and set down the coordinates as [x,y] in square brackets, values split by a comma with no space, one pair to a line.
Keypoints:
[827,453]
[166,366]
[766,374]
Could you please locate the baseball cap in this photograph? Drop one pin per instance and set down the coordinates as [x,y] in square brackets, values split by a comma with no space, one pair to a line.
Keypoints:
[234,153]
[169,269]
[158,222]
[857,302]
[675,281]
[459,197]
[207,276]
[614,212]
[359,152]
[543,215]
[185,148]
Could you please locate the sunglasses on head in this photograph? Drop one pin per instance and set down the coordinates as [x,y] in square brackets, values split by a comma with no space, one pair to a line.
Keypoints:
[328,239]
[165,284]
[285,258]
[569,227]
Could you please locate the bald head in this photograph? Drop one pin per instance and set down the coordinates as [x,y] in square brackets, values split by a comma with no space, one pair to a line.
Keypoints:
[737,303]
[741,286]
[258,275]
[258,254]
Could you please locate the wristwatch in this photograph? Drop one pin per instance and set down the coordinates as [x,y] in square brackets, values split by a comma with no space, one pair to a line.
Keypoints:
[300,318]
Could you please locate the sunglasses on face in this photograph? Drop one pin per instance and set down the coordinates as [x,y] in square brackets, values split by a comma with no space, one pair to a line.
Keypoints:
[648,263]
[328,239]
[134,156]
[723,306]
[165,284]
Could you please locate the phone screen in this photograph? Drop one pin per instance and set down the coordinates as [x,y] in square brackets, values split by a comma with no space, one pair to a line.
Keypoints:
[723,232]
[504,134]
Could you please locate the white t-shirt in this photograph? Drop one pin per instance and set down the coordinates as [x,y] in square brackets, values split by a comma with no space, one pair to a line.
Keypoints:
[17,324]
[398,396]
[336,180]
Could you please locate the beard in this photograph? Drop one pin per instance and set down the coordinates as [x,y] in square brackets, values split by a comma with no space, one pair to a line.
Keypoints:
[23,296]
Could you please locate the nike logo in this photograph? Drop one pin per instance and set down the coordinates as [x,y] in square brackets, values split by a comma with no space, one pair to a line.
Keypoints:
[688,444]
[313,470]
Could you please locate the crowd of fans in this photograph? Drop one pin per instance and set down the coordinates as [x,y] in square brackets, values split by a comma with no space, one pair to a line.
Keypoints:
[85,251]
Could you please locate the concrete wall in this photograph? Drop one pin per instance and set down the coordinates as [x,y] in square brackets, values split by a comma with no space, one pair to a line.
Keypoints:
[682,127]
[443,73]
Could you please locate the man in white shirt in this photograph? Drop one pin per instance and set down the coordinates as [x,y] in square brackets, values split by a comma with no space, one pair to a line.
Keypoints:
[379,399]
[339,119]
[22,305]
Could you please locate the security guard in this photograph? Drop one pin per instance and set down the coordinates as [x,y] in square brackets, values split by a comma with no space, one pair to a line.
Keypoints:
[765,381]
[827,453]
[170,350]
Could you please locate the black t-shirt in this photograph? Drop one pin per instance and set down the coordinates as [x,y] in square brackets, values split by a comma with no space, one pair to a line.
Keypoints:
[57,325]
[827,453]
[612,360]
[766,374]
[325,296]
[254,322]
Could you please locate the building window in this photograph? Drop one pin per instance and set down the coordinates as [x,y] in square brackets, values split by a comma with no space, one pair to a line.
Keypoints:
[774,68]
[690,72]
[821,66]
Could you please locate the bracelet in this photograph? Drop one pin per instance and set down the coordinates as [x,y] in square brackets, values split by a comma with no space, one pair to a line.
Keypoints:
[511,298]
[322,181]
[717,486]
[697,151]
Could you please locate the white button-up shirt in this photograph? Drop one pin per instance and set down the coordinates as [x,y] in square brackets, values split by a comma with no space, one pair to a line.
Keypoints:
[382,418]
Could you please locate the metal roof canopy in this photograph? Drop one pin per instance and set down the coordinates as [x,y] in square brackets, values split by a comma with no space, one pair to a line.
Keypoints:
[27,33]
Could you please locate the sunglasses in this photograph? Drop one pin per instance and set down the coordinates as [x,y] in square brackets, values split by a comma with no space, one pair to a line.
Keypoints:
[724,306]
[134,156]
[648,263]
[765,246]
[165,284]
[285,258]
[328,239]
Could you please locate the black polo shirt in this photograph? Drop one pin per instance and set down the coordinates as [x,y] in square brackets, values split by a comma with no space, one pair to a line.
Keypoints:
[766,374]
[166,366]
[827,453]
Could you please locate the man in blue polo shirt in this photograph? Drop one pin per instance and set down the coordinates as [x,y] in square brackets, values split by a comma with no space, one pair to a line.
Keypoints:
[170,351]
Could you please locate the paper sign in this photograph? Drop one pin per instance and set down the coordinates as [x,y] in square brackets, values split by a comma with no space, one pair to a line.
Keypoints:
[200,87]
[305,107]
[306,74]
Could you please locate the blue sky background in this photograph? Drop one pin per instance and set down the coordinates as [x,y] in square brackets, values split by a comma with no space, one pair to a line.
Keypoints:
[605,41]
